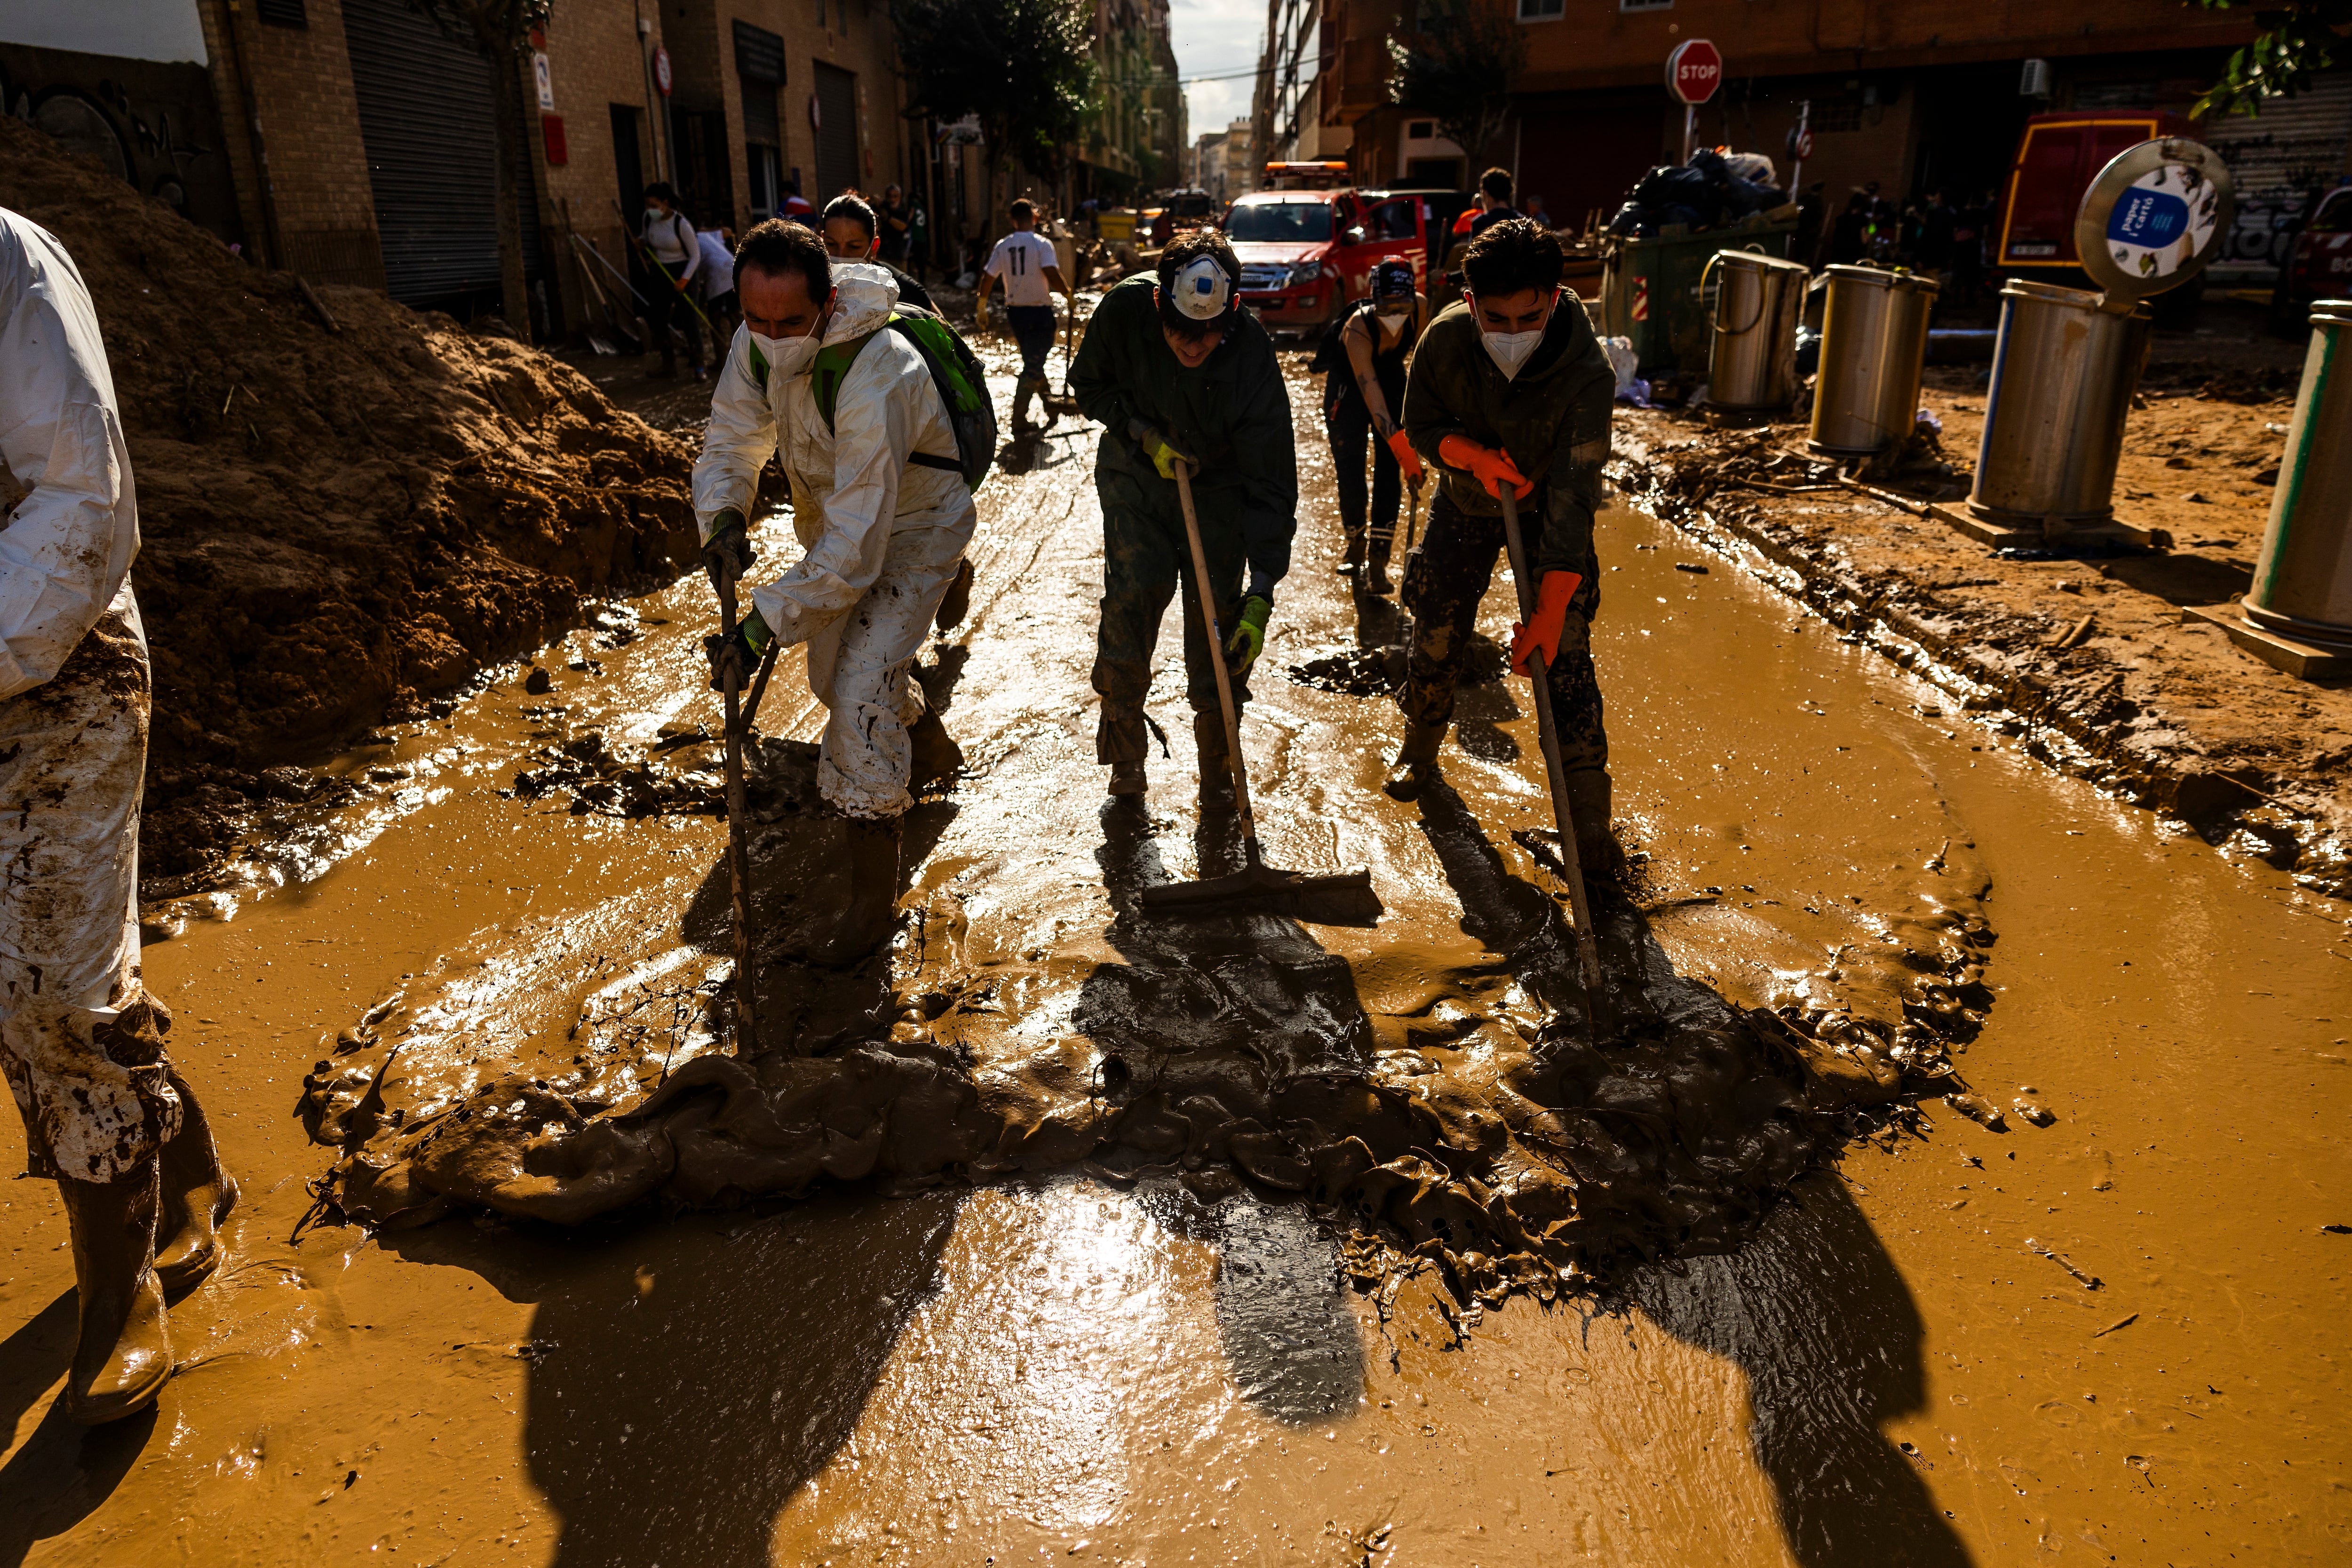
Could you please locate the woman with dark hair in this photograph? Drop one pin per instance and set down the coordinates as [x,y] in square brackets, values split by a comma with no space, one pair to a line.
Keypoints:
[669,240]
[848,225]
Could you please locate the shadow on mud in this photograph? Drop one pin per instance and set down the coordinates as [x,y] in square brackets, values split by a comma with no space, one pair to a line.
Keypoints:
[63,1472]
[1817,1316]
[688,1377]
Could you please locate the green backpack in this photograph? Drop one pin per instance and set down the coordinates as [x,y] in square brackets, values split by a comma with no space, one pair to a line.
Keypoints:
[955,371]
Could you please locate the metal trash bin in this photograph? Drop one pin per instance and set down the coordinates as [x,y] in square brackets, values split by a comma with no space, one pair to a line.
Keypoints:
[1754,361]
[2064,371]
[2303,582]
[1874,343]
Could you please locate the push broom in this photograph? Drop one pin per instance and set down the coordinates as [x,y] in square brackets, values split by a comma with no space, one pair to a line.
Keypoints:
[1255,880]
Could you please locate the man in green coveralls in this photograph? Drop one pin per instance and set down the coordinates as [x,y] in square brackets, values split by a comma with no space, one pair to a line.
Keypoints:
[1510,388]
[1176,371]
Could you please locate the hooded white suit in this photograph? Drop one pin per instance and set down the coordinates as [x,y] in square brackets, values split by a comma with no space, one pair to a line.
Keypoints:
[880,536]
[81,1041]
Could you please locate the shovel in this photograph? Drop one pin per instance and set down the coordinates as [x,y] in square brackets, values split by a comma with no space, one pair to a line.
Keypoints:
[739,857]
[1588,948]
[1255,880]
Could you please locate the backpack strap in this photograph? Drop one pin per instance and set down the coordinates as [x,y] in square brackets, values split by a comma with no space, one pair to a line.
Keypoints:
[832,363]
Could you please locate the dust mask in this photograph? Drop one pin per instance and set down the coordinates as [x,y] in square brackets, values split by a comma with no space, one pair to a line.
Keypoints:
[1509,351]
[1392,323]
[787,357]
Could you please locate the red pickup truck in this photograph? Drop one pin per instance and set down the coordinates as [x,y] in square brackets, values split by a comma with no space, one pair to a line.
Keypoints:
[1305,254]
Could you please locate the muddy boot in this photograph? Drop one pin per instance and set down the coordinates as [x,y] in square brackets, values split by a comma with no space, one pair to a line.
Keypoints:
[197,1195]
[1023,391]
[938,757]
[872,914]
[956,603]
[1352,561]
[1209,744]
[1127,778]
[1375,576]
[1416,760]
[122,1353]
[1596,847]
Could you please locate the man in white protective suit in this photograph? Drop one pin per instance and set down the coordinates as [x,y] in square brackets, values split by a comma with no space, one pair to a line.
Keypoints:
[882,512]
[106,1117]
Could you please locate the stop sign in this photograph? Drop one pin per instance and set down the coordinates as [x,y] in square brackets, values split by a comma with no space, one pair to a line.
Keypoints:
[1694,70]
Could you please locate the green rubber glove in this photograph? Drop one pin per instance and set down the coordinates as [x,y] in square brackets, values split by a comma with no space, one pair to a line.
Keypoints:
[751,639]
[1249,638]
[729,542]
[1156,448]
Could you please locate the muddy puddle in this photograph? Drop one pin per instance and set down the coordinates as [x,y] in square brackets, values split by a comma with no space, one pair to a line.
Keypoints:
[1081,1293]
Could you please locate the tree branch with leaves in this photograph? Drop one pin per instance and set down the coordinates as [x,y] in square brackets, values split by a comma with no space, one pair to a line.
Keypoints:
[1458,70]
[2296,41]
[1023,68]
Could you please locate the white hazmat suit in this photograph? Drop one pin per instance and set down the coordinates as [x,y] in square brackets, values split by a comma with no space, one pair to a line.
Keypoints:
[81,1041]
[881,537]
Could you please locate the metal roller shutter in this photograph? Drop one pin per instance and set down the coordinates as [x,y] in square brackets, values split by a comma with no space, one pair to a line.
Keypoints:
[836,131]
[424,107]
[2278,160]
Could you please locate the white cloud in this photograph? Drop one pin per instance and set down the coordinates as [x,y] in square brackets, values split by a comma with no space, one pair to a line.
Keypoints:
[1220,38]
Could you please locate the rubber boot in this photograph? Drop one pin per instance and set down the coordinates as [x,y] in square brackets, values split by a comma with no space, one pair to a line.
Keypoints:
[938,757]
[956,603]
[1596,847]
[1209,745]
[1352,561]
[122,1353]
[872,912]
[1375,575]
[1416,760]
[1127,778]
[197,1195]
[1023,391]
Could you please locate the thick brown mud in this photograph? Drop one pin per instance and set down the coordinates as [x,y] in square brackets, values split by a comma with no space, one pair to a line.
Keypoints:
[347,513]
[1895,1358]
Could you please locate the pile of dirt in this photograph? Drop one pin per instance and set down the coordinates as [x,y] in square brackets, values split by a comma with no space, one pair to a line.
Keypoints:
[340,526]
[1495,1142]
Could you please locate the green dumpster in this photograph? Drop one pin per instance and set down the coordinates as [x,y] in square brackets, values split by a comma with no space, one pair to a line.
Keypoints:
[1650,288]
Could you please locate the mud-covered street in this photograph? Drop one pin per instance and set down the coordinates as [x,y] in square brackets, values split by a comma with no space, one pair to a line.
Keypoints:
[1792,1304]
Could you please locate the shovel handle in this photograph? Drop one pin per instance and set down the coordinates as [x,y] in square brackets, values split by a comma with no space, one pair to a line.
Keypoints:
[738,858]
[1207,598]
[1588,948]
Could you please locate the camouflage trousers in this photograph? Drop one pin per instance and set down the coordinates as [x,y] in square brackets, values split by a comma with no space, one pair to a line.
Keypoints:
[1146,560]
[1444,580]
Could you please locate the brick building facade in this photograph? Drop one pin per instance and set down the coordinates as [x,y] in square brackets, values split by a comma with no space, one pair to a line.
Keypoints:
[1910,94]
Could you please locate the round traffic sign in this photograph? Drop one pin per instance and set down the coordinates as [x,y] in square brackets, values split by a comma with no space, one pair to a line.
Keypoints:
[1804,145]
[1693,70]
[661,69]
[2154,217]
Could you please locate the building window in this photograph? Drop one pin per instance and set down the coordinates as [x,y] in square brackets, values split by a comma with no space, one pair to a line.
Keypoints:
[1420,130]
[1541,10]
[282,12]
[1645,5]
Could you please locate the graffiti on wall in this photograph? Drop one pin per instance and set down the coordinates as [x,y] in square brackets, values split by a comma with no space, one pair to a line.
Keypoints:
[151,126]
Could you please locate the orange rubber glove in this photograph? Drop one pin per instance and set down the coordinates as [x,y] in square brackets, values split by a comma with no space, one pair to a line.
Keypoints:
[1407,458]
[1489,467]
[1551,610]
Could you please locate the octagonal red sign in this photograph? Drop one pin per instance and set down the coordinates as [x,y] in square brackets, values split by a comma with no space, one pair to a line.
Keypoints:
[1694,70]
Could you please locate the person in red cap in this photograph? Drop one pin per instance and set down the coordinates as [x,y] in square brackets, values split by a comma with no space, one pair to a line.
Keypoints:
[1510,388]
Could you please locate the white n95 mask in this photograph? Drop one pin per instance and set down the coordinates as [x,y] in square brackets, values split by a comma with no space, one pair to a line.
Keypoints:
[787,356]
[1392,323]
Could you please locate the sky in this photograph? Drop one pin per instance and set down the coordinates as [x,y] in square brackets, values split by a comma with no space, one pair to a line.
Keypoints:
[1216,38]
